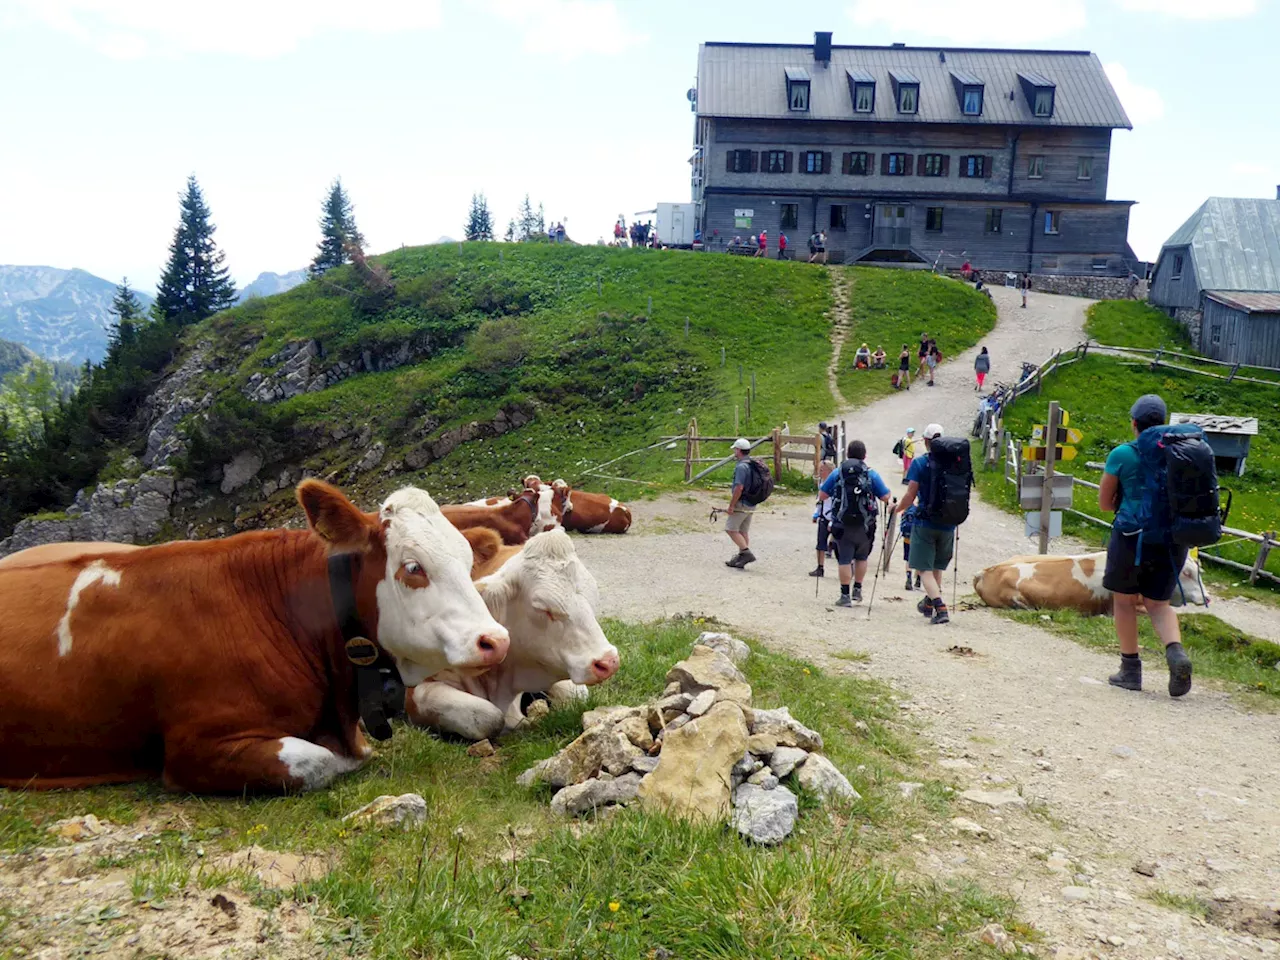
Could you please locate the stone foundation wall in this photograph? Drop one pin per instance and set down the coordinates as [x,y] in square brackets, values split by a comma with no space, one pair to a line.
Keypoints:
[1095,288]
[1191,320]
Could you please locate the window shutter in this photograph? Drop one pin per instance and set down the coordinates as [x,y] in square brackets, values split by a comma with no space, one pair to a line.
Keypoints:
[755,161]
[964,166]
[946,164]
[884,164]
[786,162]
[826,162]
[871,164]
[728,167]
[846,163]
[908,170]
[986,167]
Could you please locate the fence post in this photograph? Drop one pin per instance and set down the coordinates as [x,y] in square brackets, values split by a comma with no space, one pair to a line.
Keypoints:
[688,452]
[739,374]
[650,313]
[748,408]
[697,443]
[499,254]
[1084,352]
[1234,368]
[736,430]
[753,386]
[599,288]
[1264,549]
[722,356]
[843,445]
[686,326]
[817,455]
[777,455]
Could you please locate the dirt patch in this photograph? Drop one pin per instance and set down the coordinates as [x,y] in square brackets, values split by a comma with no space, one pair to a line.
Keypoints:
[272,868]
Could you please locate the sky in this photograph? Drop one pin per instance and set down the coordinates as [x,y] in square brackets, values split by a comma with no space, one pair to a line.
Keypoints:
[106,106]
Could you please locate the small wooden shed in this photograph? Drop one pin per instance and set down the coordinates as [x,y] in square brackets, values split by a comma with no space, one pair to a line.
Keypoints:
[1228,436]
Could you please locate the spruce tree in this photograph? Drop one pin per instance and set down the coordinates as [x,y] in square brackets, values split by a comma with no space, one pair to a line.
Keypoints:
[337,229]
[526,220]
[195,283]
[479,220]
[510,235]
[127,310]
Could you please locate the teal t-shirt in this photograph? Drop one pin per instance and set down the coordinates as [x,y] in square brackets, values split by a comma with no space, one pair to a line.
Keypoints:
[1124,464]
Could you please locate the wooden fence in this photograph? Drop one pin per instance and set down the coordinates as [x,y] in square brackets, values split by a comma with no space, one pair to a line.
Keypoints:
[779,439]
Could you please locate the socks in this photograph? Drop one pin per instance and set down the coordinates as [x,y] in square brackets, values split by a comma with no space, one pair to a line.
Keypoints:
[1172,649]
[939,606]
[858,584]
[844,589]
[1132,656]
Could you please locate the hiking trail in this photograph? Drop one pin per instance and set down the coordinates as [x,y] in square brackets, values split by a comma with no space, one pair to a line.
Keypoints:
[841,280]
[1091,781]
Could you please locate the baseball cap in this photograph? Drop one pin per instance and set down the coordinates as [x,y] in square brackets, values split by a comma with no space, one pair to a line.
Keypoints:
[933,430]
[911,429]
[742,443]
[1149,409]
[822,425]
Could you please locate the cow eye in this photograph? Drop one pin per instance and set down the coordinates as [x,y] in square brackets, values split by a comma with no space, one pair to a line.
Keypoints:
[551,617]
[413,568]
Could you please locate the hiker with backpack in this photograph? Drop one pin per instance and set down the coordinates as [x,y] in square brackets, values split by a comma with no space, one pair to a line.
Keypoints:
[752,484]
[855,488]
[942,481]
[905,524]
[822,517]
[1163,488]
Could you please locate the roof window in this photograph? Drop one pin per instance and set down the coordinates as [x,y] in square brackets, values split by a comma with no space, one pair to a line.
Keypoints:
[862,88]
[1040,93]
[797,89]
[969,90]
[906,91]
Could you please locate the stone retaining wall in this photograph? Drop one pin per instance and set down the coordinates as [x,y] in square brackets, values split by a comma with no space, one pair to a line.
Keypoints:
[1095,288]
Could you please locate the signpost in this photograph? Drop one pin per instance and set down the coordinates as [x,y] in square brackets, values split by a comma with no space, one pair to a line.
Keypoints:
[1031,492]
[1050,458]
[1065,435]
[1042,453]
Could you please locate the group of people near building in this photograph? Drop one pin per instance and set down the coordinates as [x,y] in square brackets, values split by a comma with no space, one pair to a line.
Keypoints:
[556,232]
[1144,559]
[636,235]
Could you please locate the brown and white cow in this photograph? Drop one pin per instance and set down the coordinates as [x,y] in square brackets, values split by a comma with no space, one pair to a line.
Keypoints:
[220,664]
[592,512]
[550,504]
[1066,583]
[546,598]
[514,520]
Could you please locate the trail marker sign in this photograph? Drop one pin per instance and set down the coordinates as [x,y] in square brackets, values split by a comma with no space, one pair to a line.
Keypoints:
[1042,453]
[1065,435]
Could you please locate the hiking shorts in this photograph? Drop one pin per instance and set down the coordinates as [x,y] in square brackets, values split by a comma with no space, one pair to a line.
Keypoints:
[1156,577]
[931,549]
[854,545]
[739,521]
[824,534]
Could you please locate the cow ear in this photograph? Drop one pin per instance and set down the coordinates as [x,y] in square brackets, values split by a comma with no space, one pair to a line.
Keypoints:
[485,544]
[335,519]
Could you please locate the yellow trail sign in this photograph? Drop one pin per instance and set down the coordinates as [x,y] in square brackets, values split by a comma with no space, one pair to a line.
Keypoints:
[1039,431]
[1038,453]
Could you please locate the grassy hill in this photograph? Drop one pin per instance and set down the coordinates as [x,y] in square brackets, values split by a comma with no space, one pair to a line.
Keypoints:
[888,308]
[564,333]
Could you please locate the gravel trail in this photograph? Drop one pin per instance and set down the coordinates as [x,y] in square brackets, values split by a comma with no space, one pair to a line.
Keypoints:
[1108,779]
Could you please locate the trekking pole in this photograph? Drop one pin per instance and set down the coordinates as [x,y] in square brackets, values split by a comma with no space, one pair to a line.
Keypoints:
[880,563]
[955,571]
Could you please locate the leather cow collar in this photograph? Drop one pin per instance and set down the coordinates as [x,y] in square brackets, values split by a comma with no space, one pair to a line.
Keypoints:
[379,689]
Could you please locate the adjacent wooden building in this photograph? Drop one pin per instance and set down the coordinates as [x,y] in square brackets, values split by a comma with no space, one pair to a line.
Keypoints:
[1219,276]
[997,157]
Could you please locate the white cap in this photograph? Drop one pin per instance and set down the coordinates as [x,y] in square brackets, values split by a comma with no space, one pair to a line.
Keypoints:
[742,443]
[933,430]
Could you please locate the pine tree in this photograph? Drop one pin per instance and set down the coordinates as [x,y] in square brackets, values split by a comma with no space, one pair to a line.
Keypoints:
[526,220]
[337,229]
[195,283]
[510,235]
[128,313]
[479,220]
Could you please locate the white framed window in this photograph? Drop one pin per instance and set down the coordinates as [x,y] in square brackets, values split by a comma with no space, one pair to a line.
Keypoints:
[1084,168]
[1035,168]
[1052,221]
[1042,106]
[908,98]
[864,97]
[972,101]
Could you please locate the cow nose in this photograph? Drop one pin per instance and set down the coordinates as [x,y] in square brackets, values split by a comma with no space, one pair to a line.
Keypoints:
[605,667]
[492,647]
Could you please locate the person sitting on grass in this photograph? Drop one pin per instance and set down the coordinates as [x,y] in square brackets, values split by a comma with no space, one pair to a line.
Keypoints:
[878,358]
[862,358]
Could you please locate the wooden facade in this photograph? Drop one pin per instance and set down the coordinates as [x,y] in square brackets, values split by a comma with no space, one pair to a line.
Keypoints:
[1238,336]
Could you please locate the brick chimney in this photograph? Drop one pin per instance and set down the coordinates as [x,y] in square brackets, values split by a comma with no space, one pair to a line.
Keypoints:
[822,48]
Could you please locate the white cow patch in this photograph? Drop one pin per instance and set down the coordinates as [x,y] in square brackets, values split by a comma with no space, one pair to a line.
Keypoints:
[1092,584]
[96,572]
[315,766]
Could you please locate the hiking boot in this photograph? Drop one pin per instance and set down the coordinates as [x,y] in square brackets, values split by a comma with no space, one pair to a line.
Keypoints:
[918,587]
[818,572]
[908,581]
[857,593]
[925,606]
[1179,669]
[940,616]
[1130,675]
[737,562]
[844,601]
[747,557]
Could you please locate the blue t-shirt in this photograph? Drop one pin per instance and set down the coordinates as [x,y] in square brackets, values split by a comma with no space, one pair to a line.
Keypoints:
[832,483]
[919,473]
[1125,465]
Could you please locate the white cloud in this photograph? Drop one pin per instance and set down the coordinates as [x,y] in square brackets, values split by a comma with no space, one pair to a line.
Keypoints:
[1245,169]
[261,29]
[977,22]
[1142,104]
[569,28]
[1194,9]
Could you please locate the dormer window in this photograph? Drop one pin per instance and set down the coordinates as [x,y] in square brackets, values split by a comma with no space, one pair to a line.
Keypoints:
[906,91]
[797,90]
[1040,92]
[862,88]
[969,92]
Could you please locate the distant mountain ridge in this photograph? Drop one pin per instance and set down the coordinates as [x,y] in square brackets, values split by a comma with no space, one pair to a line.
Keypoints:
[58,314]
[269,283]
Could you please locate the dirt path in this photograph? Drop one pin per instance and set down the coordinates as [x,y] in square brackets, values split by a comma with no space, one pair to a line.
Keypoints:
[840,332]
[1110,779]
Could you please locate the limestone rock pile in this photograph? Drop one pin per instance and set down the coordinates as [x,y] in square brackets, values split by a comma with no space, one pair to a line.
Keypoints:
[699,752]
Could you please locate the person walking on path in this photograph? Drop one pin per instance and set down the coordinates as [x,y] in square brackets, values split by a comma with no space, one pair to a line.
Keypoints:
[923,353]
[905,524]
[762,244]
[904,368]
[782,245]
[933,541]
[822,517]
[828,442]
[908,448]
[855,488]
[1026,287]
[747,494]
[933,359]
[1140,568]
[981,367]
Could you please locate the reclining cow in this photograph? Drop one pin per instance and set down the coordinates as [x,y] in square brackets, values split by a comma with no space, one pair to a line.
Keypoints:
[515,520]
[1067,583]
[546,598]
[592,512]
[230,665]
[550,504]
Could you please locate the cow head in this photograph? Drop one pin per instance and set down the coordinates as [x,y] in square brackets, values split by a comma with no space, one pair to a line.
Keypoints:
[1190,587]
[547,598]
[561,501]
[416,575]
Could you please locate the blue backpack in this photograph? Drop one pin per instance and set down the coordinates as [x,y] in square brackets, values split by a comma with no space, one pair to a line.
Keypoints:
[1178,503]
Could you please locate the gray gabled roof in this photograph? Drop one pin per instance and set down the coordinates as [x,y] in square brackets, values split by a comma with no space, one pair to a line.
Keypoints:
[747,80]
[1235,243]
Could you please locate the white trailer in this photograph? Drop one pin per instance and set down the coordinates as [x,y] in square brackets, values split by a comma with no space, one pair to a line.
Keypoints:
[675,224]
